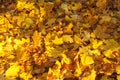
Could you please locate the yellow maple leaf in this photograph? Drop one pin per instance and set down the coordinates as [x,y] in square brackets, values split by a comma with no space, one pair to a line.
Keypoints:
[42,14]
[20,19]
[55,72]
[76,6]
[12,72]
[95,52]
[25,76]
[58,41]
[77,39]
[64,6]
[24,5]
[36,38]
[58,64]
[68,29]
[65,59]
[106,60]
[51,21]
[96,44]
[20,5]
[108,53]
[67,38]
[19,42]
[86,59]
[101,3]
[27,23]
[105,19]
[110,44]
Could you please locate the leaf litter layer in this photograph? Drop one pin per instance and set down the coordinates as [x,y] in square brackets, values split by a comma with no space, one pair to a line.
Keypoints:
[60,40]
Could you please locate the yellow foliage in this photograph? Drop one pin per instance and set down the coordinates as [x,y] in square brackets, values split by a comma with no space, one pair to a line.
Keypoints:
[65,59]
[51,21]
[2,20]
[91,76]
[55,72]
[101,3]
[36,38]
[2,53]
[67,38]
[42,14]
[20,5]
[108,54]
[25,76]
[27,22]
[118,69]
[58,41]
[86,60]
[12,72]
[20,20]
[118,77]
[95,52]
[77,39]
[24,5]
[78,70]
[19,42]
[96,44]
[106,60]
[58,64]
[110,44]
[64,6]
[105,19]
[77,6]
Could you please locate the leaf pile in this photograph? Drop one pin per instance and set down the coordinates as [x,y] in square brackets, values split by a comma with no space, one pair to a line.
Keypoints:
[60,40]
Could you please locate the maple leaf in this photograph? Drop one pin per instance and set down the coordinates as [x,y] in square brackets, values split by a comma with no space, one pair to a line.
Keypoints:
[36,38]
[25,76]
[68,29]
[20,5]
[12,72]
[24,5]
[110,44]
[86,59]
[91,76]
[105,19]
[77,39]
[101,3]
[27,22]
[65,6]
[58,41]
[65,59]
[67,38]
[96,44]
[78,70]
[76,6]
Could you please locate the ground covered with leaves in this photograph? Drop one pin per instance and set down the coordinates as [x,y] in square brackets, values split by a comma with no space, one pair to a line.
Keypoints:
[60,40]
